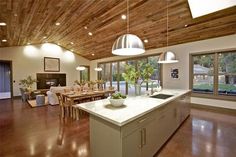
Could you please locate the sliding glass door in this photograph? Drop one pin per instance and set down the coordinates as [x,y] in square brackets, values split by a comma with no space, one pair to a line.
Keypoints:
[112,73]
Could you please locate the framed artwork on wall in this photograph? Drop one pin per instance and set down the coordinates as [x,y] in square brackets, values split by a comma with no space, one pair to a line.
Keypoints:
[51,64]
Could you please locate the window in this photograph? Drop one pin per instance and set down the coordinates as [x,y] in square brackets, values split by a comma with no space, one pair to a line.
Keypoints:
[156,76]
[122,82]
[84,74]
[114,76]
[203,70]
[106,74]
[214,73]
[227,73]
[112,73]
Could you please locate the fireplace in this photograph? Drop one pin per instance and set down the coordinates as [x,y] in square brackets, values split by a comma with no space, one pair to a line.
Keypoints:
[46,80]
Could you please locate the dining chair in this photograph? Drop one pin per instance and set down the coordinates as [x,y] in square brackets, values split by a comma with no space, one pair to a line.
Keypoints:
[64,106]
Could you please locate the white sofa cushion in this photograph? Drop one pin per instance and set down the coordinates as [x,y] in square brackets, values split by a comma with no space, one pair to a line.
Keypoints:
[52,97]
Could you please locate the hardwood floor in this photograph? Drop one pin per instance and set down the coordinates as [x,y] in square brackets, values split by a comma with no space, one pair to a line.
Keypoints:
[39,132]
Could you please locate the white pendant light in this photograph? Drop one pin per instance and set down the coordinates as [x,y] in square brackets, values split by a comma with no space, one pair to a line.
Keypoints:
[98,69]
[128,44]
[80,68]
[168,56]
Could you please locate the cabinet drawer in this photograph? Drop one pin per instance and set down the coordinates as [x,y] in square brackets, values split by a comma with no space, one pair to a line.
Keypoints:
[136,124]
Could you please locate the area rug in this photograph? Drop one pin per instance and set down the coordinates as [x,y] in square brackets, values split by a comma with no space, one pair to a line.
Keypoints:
[32,103]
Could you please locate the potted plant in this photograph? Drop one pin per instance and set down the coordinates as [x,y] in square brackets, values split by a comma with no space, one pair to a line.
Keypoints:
[117,99]
[27,83]
[138,76]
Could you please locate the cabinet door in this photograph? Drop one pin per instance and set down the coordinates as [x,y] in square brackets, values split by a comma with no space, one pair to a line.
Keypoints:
[149,142]
[132,144]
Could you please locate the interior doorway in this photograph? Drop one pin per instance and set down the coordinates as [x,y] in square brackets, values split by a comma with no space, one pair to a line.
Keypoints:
[5,79]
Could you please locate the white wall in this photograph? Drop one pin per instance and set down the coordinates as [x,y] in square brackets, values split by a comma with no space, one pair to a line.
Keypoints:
[182,51]
[29,60]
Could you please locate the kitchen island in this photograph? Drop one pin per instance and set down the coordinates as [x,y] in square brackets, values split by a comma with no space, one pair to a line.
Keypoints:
[138,128]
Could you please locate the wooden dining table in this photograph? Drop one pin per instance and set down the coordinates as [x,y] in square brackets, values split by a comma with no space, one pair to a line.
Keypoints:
[77,96]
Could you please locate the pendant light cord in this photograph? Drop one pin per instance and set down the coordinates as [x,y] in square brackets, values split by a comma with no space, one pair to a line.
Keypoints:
[167,25]
[127,16]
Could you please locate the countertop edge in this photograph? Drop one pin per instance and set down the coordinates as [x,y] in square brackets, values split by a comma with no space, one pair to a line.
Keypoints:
[135,117]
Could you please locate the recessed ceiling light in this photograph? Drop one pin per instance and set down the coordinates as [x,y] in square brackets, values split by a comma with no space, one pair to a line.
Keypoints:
[186,25]
[15,14]
[90,33]
[4,40]
[123,17]
[44,37]
[58,43]
[71,43]
[145,40]
[28,43]
[3,24]
[57,24]
[92,54]
[85,27]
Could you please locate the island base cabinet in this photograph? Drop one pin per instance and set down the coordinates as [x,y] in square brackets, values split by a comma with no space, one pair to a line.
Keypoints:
[141,142]
[132,145]
[105,139]
[142,137]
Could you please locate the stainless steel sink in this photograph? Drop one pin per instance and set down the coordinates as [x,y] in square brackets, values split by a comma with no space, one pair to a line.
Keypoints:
[161,96]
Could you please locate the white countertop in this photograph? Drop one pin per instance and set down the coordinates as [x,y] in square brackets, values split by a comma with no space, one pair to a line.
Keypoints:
[133,108]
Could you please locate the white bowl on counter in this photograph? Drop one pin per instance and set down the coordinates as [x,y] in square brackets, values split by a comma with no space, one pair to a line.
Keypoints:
[117,102]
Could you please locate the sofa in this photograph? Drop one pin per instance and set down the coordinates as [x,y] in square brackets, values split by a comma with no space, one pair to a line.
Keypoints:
[52,97]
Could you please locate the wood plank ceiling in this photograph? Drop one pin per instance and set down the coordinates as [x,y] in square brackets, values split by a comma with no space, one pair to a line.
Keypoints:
[34,21]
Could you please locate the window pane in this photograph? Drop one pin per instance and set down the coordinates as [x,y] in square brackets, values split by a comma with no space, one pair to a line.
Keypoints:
[106,74]
[156,76]
[84,74]
[203,73]
[131,89]
[114,78]
[144,84]
[122,81]
[227,73]
[101,73]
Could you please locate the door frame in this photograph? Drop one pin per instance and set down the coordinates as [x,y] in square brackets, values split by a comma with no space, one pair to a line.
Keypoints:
[11,75]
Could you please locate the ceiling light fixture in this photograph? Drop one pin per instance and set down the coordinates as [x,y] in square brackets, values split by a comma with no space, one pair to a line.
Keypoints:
[145,40]
[186,25]
[15,15]
[4,40]
[98,69]
[92,54]
[3,24]
[71,43]
[44,37]
[90,33]
[85,27]
[128,44]
[28,43]
[80,68]
[168,56]
[58,24]
[123,17]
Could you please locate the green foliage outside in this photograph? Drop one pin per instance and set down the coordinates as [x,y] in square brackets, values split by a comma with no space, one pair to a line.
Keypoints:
[116,76]
[227,62]
[226,87]
[137,76]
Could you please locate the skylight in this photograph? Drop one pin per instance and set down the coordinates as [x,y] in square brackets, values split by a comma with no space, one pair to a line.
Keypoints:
[203,7]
